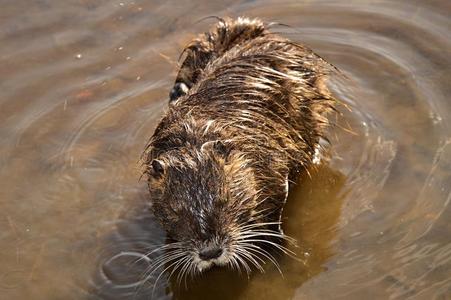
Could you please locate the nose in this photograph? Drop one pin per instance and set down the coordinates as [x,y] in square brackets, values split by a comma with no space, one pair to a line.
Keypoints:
[210,253]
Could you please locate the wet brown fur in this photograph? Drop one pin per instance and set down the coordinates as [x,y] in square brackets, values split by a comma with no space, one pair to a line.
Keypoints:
[251,119]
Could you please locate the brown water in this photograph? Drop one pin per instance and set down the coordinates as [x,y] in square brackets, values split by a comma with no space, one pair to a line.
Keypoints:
[84,82]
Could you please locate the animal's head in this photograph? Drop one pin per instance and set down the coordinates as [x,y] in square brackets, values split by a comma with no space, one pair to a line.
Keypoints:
[218,201]
[204,197]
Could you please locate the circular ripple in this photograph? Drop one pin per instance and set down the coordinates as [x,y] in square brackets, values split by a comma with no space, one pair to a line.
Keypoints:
[83,85]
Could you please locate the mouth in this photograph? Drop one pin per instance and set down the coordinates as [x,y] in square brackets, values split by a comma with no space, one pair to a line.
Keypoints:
[205,264]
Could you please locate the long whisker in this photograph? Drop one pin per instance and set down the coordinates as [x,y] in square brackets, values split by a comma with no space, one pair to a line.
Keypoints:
[183,270]
[165,247]
[261,224]
[167,257]
[248,234]
[251,258]
[180,263]
[243,263]
[161,261]
[259,251]
[192,271]
[279,247]
[161,274]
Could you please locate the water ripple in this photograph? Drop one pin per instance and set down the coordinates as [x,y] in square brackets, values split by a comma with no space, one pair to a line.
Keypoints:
[83,84]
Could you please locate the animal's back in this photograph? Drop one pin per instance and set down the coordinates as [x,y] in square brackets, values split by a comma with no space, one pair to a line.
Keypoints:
[257,89]
[246,113]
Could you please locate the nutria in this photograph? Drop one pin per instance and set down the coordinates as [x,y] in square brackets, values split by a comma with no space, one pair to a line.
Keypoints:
[245,115]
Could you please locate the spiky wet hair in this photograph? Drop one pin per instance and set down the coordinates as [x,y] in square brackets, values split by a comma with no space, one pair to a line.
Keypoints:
[246,114]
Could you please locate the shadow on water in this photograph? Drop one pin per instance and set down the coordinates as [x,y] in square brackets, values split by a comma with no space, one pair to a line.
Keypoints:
[122,266]
[311,217]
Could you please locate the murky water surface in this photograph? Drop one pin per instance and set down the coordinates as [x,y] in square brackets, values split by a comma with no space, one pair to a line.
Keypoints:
[84,82]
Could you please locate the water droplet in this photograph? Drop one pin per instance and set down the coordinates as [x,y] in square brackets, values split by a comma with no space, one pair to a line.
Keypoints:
[436,118]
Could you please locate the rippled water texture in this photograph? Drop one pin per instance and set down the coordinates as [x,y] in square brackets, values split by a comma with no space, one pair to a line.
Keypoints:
[84,82]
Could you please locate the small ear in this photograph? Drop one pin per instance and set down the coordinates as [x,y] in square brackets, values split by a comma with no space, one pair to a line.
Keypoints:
[222,147]
[157,167]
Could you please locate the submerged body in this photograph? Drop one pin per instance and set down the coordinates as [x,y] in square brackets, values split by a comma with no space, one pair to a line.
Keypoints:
[245,117]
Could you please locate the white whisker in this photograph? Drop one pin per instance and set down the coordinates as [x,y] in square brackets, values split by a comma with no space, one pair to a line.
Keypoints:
[264,253]
[251,258]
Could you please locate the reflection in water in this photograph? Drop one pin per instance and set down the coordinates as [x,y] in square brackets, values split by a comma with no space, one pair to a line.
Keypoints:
[122,265]
[311,217]
[83,84]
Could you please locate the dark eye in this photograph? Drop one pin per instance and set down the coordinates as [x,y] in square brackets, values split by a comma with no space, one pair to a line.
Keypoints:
[157,167]
[178,90]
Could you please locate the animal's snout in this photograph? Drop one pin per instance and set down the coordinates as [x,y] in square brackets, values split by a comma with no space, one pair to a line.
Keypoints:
[211,252]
